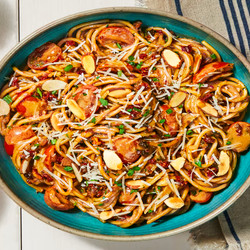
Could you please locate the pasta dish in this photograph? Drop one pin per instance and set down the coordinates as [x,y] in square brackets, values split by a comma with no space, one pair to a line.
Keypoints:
[125,122]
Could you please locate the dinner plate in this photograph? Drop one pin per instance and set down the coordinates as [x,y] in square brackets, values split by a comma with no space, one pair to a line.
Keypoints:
[81,223]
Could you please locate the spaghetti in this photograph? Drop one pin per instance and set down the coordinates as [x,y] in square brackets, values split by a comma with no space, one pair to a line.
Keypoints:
[127,123]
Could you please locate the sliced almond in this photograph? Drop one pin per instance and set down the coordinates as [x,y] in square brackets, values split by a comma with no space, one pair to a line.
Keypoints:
[119,93]
[112,160]
[88,63]
[52,85]
[177,99]
[77,173]
[178,163]
[162,182]
[174,202]
[55,121]
[105,215]
[136,184]
[171,58]
[224,163]
[75,109]
[4,107]
[187,118]
[207,108]
[24,166]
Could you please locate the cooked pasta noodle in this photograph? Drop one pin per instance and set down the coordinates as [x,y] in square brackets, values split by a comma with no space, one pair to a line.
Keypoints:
[128,123]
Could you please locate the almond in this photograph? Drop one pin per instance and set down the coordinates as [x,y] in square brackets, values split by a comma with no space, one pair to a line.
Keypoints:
[77,173]
[187,118]
[4,107]
[174,202]
[105,215]
[178,163]
[171,58]
[207,108]
[136,184]
[162,182]
[24,166]
[177,99]
[52,85]
[224,163]
[119,93]
[75,109]
[88,63]
[112,160]
[55,121]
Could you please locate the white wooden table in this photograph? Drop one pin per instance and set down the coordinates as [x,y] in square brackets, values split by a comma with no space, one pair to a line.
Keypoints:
[18,229]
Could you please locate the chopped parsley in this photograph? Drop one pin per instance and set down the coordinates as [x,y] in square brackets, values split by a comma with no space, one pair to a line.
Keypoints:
[39,92]
[190,132]
[97,77]
[200,85]
[198,163]
[228,143]
[155,79]
[169,111]
[54,92]
[68,68]
[180,106]
[119,184]
[170,96]
[167,135]
[133,191]
[37,145]
[132,170]
[121,129]
[68,168]
[213,56]
[162,121]
[36,157]
[93,120]
[8,99]
[150,211]
[53,141]
[103,102]
[131,58]
[118,45]
[136,109]
[119,73]
[129,110]
[138,66]
[146,113]
[160,144]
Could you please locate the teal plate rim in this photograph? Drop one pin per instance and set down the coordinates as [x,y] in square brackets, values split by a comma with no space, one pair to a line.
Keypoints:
[122,12]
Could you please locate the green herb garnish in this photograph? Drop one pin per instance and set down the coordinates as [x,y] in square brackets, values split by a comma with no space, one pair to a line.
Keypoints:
[131,58]
[155,79]
[169,111]
[36,157]
[119,73]
[68,68]
[103,102]
[228,143]
[133,191]
[190,132]
[162,121]
[68,168]
[118,45]
[53,141]
[138,66]
[39,92]
[213,56]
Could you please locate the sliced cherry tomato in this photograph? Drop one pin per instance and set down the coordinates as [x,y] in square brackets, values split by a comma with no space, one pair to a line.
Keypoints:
[114,34]
[19,133]
[211,69]
[86,99]
[30,105]
[47,53]
[8,148]
[127,149]
[170,122]
[56,200]
[50,156]
[199,196]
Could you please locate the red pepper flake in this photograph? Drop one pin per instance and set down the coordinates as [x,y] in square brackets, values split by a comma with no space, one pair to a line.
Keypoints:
[46,176]
[70,43]
[211,171]
[238,129]
[206,97]
[15,82]
[44,77]
[144,71]
[142,56]
[187,49]
[208,139]
[152,161]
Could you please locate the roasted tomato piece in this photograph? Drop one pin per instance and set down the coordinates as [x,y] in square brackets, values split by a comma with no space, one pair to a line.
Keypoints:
[199,196]
[8,148]
[19,133]
[127,149]
[211,69]
[47,53]
[86,99]
[170,124]
[114,34]
[50,157]
[56,200]
[239,136]
[30,106]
